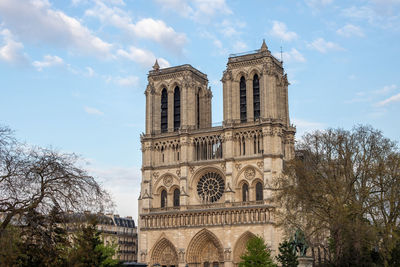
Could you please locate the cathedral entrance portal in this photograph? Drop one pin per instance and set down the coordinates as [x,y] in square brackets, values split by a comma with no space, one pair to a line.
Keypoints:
[205,250]
[164,254]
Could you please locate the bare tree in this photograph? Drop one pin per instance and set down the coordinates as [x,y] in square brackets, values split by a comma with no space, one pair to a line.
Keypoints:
[40,179]
[343,191]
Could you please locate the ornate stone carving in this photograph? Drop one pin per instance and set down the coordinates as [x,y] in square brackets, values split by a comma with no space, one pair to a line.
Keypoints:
[238,166]
[178,172]
[260,164]
[155,175]
[223,166]
[227,253]
[168,180]
[192,168]
[249,173]
[181,255]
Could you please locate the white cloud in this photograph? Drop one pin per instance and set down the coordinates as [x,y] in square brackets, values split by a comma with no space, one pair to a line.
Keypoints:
[92,111]
[11,50]
[318,3]
[124,185]
[48,61]
[37,21]
[386,89]
[230,28]
[146,28]
[392,99]
[379,13]
[144,57]
[239,46]
[201,11]
[158,31]
[304,126]
[350,30]
[90,72]
[128,81]
[292,56]
[280,30]
[324,46]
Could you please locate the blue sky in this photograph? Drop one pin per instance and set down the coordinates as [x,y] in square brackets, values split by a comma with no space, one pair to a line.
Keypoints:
[73,73]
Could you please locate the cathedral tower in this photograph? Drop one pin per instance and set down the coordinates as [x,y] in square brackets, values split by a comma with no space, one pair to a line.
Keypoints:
[205,190]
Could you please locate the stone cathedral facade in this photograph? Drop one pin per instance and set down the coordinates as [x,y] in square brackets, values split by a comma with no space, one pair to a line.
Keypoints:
[205,190]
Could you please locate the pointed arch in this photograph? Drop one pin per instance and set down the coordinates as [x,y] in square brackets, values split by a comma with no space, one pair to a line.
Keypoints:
[164,253]
[164,110]
[242,95]
[177,108]
[204,247]
[256,96]
[240,245]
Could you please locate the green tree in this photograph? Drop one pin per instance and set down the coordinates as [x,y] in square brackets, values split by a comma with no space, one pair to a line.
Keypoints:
[343,191]
[89,248]
[257,254]
[44,240]
[287,255]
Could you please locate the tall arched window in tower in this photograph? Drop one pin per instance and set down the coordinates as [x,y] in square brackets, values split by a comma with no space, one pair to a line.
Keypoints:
[164,111]
[256,97]
[198,108]
[163,198]
[177,194]
[177,108]
[259,191]
[245,192]
[243,107]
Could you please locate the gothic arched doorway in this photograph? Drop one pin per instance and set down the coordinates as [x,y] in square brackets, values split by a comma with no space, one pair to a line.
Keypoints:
[205,250]
[240,246]
[164,254]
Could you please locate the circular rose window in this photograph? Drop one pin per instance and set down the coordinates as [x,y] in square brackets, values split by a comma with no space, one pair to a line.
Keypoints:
[210,187]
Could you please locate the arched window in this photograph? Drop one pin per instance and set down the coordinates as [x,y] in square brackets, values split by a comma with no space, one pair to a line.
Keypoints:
[164,111]
[177,108]
[245,192]
[177,194]
[163,198]
[243,107]
[256,97]
[198,108]
[259,191]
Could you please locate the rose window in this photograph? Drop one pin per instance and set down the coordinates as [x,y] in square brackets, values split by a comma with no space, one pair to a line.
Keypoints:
[210,187]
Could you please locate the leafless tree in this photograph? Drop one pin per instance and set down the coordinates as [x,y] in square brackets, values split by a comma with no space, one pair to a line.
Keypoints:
[39,179]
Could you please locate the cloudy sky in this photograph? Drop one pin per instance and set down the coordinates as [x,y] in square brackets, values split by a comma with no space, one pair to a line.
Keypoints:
[73,73]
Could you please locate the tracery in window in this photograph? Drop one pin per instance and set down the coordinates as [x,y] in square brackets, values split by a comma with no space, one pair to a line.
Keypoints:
[210,187]
[243,107]
[177,108]
[177,194]
[164,111]
[256,97]
[163,198]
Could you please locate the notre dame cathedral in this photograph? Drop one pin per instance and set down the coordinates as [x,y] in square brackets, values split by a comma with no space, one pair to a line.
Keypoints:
[205,190]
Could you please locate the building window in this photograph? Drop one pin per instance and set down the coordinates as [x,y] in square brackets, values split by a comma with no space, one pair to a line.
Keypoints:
[177,194]
[177,108]
[198,108]
[163,199]
[243,108]
[259,191]
[256,97]
[245,192]
[164,111]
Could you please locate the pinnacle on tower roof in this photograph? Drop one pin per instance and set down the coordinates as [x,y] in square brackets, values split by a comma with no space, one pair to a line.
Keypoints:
[264,46]
[156,66]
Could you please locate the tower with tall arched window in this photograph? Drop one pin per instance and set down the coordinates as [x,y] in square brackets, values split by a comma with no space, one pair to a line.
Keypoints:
[204,189]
